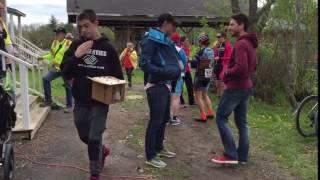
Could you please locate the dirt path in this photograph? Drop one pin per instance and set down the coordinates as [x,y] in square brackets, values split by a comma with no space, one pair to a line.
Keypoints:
[57,142]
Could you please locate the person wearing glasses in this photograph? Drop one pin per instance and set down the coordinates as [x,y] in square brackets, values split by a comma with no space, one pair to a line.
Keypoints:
[222,50]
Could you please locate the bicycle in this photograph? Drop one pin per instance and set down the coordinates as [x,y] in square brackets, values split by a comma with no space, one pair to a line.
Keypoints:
[307,116]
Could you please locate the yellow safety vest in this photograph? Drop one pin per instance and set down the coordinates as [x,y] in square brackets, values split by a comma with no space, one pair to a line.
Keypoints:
[57,50]
[7,41]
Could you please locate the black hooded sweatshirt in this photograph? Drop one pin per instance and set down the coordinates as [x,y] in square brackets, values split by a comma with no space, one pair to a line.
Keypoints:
[102,60]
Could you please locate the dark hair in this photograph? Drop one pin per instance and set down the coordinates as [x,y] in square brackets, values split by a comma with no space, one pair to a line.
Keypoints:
[166,17]
[223,34]
[183,39]
[88,14]
[241,19]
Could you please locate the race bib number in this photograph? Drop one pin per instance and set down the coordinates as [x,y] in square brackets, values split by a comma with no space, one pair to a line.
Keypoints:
[208,73]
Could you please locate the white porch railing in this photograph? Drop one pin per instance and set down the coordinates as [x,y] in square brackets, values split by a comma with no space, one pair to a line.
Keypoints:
[22,42]
[30,53]
[23,68]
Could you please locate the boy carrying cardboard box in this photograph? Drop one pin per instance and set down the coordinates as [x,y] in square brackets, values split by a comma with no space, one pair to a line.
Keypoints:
[91,56]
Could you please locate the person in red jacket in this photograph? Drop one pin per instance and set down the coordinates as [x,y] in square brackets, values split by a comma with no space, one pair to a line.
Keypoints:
[188,78]
[222,50]
[238,80]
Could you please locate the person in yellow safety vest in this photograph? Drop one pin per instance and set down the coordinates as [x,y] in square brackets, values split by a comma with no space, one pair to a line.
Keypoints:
[58,48]
[7,40]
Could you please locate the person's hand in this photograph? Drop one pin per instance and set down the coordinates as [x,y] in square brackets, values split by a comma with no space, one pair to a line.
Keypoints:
[83,49]
[216,58]
[70,81]
[8,61]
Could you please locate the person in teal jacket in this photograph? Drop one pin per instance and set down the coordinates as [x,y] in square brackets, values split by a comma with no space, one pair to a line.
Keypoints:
[159,59]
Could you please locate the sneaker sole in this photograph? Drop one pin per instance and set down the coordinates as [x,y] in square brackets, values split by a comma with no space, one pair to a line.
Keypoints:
[174,124]
[198,120]
[224,162]
[153,165]
[167,156]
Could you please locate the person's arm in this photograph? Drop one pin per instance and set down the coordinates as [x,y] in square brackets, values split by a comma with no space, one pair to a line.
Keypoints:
[196,59]
[134,58]
[116,70]
[148,50]
[227,52]
[122,55]
[241,62]
[184,59]
[68,61]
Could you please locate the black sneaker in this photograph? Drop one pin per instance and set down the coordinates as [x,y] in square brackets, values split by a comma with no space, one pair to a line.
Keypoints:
[45,104]
[201,120]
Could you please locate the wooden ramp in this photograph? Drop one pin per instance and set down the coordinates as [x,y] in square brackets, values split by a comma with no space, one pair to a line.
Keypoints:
[37,116]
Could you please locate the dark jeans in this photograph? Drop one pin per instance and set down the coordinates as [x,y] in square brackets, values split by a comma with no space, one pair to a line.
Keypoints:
[145,78]
[189,85]
[159,105]
[234,101]
[91,123]
[129,75]
[50,76]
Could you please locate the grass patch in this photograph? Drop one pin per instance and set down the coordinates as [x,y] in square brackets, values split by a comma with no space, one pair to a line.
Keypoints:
[272,129]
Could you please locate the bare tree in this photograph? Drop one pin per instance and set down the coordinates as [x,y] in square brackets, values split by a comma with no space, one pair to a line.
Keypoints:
[257,16]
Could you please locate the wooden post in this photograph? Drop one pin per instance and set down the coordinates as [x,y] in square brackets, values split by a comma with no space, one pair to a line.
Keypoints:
[19,27]
[11,27]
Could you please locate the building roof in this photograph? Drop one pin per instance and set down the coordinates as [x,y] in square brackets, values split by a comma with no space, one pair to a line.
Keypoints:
[15,12]
[145,12]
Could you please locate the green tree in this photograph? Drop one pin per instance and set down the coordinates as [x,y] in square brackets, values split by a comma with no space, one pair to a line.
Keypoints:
[53,22]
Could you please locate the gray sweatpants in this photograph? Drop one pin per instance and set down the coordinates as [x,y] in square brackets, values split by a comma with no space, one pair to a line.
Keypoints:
[91,123]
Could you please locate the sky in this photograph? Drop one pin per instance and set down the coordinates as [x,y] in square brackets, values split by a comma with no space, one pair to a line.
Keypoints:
[39,11]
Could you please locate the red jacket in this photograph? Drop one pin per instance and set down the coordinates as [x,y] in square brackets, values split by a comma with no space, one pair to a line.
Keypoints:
[187,51]
[225,59]
[242,63]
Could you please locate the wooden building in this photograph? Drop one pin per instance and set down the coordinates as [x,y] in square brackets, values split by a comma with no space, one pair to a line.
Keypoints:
[130,19]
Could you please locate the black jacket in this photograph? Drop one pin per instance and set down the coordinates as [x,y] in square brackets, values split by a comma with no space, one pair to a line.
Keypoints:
[102,60]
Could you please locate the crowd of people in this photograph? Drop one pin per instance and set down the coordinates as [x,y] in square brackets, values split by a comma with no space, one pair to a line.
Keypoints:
[166,62]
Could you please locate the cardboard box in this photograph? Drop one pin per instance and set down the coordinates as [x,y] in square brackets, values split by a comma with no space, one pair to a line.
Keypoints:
[108,89]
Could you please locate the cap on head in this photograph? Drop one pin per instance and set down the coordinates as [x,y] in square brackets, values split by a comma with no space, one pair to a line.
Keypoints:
[175,37]
[69,36]
[60,30]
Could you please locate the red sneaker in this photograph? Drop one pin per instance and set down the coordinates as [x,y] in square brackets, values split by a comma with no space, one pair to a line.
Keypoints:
[105,153]
[224,160]
[94,178]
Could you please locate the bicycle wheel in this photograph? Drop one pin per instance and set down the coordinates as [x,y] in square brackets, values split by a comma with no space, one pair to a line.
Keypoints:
[316,124]
[306,116]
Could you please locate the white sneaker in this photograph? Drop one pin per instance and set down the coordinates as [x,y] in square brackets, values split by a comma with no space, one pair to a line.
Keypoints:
[166,153]
[175,122]
[156,162]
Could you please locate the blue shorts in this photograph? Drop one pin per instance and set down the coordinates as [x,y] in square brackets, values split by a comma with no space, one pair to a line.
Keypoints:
[201,84]
[177,87]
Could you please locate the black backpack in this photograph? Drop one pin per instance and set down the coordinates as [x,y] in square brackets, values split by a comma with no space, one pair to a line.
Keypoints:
[7,114]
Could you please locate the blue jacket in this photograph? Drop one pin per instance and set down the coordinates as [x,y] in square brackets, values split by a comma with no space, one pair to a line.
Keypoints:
[159,58]
[184,59]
